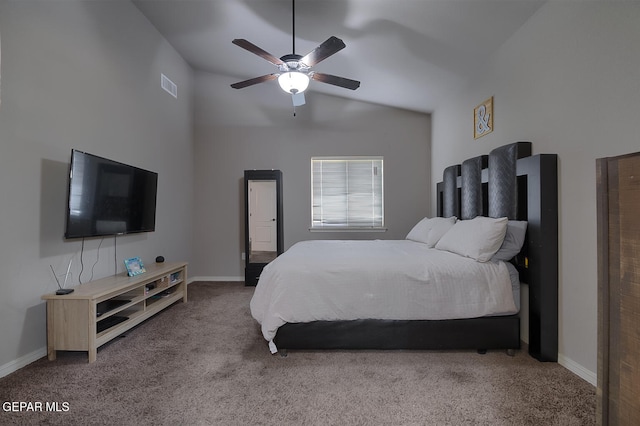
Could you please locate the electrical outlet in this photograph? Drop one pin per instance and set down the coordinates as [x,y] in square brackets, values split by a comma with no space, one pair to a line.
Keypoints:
[242,256]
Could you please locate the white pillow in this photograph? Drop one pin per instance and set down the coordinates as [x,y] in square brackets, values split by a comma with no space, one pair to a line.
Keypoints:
[478,238]
[513,240]
[429,230]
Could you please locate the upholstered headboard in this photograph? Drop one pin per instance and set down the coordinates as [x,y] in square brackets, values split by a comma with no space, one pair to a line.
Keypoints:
[511,182]
[467,193]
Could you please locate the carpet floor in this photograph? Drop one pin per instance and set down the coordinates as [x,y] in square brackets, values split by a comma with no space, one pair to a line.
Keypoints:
[206,363]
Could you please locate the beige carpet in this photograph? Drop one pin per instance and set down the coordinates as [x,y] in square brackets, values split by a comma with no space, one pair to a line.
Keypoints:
[205,363]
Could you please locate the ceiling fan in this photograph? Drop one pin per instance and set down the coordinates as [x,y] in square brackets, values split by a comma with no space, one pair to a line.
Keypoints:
[294,71]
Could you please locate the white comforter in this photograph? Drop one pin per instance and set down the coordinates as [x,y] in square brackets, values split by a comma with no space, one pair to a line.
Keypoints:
[382,279]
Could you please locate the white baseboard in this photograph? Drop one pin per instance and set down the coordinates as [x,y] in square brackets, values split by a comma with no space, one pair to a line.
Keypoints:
[215,279]
[23,361]
[578,369]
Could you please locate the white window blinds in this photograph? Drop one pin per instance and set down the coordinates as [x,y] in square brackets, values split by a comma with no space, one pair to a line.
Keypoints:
[347,192]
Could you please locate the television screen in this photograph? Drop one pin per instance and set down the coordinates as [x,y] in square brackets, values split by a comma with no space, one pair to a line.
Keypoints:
[108,198]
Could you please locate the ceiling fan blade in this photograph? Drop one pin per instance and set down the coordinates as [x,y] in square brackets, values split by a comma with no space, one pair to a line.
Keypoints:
[253,81]
[256,50]
[329,47]
[335,80]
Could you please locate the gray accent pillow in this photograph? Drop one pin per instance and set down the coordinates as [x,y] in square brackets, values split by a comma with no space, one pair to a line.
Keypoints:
[513,240]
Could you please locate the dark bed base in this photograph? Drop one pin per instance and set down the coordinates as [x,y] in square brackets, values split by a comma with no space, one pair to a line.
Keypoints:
[476,333]
[508,182]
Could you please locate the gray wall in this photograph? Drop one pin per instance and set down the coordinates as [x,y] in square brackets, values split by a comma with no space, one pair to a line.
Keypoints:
[234,133]
[568,82]
[81,75]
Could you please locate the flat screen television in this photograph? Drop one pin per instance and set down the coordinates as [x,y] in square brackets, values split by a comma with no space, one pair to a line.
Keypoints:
[106,197]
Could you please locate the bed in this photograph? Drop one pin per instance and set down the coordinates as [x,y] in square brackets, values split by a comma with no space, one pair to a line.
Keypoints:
[408,294]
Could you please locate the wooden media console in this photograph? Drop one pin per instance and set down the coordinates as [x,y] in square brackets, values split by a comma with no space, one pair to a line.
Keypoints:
[98,311]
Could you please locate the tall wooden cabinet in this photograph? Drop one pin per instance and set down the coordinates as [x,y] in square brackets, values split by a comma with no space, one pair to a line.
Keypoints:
[618,195]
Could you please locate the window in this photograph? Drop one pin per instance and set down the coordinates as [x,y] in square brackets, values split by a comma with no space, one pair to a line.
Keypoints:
[347,193]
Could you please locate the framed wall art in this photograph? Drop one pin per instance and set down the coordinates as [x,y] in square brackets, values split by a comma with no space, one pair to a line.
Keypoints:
[483,119]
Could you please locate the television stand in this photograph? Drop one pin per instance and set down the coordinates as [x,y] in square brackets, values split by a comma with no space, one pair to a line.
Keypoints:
[99,311]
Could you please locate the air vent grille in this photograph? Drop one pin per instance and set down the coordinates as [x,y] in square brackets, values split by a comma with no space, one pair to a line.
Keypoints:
[169,86]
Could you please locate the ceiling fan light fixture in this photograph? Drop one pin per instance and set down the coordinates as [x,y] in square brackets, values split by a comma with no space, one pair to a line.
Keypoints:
[293,82]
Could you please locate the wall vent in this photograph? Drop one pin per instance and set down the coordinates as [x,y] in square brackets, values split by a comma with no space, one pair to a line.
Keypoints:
[169,86]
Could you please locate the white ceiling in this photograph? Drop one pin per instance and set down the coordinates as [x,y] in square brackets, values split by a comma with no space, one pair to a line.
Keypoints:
[406,53]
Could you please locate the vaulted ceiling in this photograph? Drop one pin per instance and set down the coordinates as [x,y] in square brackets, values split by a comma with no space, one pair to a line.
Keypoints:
[407,53]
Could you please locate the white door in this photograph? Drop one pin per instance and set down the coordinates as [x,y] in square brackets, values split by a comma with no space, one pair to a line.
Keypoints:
[262,215]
